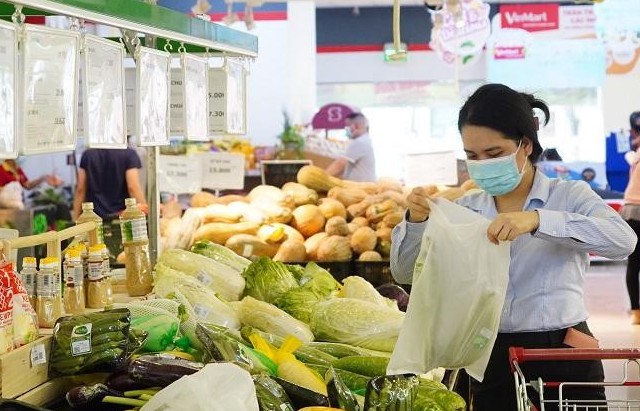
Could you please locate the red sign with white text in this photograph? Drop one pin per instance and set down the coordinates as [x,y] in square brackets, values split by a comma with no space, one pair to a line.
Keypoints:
[530,17]
[509,52]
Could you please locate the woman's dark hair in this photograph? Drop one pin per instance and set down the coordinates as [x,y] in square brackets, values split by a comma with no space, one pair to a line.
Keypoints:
[503,109]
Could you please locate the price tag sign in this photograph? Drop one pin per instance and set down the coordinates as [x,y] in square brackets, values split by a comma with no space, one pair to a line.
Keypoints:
[153,79]
[195,88]
[176,105]
[8,91]
[217,101]
[228,99]
[38,355]
[130,98]
[223,171]
[104,93]
[50,89]
[438,168]
[179,174]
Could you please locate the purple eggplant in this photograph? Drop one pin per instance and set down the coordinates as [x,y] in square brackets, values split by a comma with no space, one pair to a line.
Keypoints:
[87,396]
[395,292]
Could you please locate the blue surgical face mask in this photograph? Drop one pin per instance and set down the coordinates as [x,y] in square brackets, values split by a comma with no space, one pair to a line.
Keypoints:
[347,131]
[496,176]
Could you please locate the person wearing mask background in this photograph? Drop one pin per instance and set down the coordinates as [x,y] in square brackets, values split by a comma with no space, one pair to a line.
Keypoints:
[11,171]
[106,177]
[631,214]
[552,226]
[358,163]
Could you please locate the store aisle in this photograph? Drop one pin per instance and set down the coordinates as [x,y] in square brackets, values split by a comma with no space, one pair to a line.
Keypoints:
[607,302]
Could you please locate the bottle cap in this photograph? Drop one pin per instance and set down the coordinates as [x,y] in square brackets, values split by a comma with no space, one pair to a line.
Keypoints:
[95,251]
[87,206]
[130,202]
[50,262]
[73,253]
[29,262]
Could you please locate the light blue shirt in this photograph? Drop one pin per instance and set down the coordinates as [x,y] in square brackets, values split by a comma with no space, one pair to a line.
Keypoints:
[546,274]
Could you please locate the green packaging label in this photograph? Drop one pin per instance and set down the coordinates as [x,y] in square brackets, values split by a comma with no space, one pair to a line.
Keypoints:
[81,339]
[134,230]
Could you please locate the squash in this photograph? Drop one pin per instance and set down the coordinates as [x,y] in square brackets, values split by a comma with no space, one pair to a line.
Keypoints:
[347,196]
[291,234]
[334,248]
[248,245]
[249,213]
[291,251]
[271,234]
[220,213]
[384,248]
[270,194]
[360,221]
[336,226]
[352,228]
[219,233]
[230,198]
[393,219]
[301,194]
[330,207]
[369,187]
[202,199]
[363,239]
[399,198]
[317,179]
[171,209]
[370,256]
[376,212]
[360,209]
[384,233]
[308,219]
[273,212]
[389,184]
[312,243]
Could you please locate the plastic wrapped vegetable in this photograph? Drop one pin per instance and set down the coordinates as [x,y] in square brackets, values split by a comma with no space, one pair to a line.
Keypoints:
[358,287]
[162,326]
[161,369]
[271,396]
[357,322]
[339,394]
[392,392]
[319,280]
[220,278]
[267,280]
[220,254]
[269,318]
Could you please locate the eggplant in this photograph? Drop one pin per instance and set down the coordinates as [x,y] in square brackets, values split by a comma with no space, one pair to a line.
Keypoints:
[88,396]
[161,369]
[121,381]
[395,292]
[301,397]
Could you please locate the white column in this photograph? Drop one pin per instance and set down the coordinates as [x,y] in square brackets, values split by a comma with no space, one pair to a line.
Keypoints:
[301,20]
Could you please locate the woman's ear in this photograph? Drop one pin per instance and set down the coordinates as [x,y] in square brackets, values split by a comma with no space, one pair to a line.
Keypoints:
[527,144]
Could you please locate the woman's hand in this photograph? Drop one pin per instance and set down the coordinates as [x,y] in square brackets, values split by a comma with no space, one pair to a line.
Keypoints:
[508,226]
[417,203]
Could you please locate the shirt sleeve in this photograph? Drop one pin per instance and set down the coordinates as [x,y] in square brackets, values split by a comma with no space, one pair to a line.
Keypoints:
[354,151]
[591,226]
[133,160]
[406,238]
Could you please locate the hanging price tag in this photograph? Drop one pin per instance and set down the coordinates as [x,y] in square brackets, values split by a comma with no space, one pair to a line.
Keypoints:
[152,84]
[8,91]
[227,99]
[176,104]
[180,174]
[217,101]
[196,103]
[223,171]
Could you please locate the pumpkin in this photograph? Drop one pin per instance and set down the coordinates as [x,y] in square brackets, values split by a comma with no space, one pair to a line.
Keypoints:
[220,213]
[202,199]
[363,239]
[334,248]
[360,221]
[347,196]
[336,226]
[301,194]
[376,212]
[330,207]
[353,227]
[248,245]
[308,219]
[370,256]
[291,251]
[393,219]
[273,212]
[317,179]
[270,194]
[219,233]
[383,233]
[312,243]
[290,233]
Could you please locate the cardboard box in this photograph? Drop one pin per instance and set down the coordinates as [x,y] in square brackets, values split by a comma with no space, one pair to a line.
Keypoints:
[318,159]
[16,371]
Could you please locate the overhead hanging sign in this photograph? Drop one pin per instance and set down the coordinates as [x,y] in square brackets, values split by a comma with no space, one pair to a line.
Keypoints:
[530,17]
[179,174]
[223,171]
[50,89]
[227,99]
[463,32]
[104,107]
[8,91]
[176,103]
[195,85]
[153,78]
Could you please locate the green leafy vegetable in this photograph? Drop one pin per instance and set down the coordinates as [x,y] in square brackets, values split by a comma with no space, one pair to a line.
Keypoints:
[319,280]
[299,302]
[267,280]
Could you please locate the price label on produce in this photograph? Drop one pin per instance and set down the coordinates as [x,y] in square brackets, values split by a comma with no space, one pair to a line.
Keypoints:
[438,168]
[223,171]
[179,174]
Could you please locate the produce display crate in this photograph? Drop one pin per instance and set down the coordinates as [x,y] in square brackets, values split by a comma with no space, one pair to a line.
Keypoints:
[17,373]
[376,272]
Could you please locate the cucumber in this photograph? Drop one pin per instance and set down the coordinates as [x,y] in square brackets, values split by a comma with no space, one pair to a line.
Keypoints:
[355,382]
[363,365]
[340,350]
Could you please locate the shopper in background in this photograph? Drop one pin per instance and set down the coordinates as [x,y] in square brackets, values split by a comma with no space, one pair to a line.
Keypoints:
[631,214]
[106,177]
[358,163]
[552,226]
[11,171]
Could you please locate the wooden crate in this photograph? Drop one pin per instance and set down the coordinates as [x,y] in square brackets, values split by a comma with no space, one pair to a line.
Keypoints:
[17,376]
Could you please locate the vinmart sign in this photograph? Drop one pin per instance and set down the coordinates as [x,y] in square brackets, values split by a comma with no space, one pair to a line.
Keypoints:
[530,17]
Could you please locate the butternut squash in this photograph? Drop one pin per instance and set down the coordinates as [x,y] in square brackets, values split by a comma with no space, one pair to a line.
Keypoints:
[272,234]
[336,226]
[312,243]
[399,198]
[248,245]
[360,221]
[370,256]
[317,179]
[301,194]
[360,209]
[291,234]
[363,239]
[291,252]
[347,196]
[273,212]
[330,207]
[220,213]
[249,213]
[308,220]
[393,219]
[202,199]
[389,184]
[369,187]
[270,194]
[230,198]
[219,233]
[352,228]
[376,212]
[384,233]
[334,248]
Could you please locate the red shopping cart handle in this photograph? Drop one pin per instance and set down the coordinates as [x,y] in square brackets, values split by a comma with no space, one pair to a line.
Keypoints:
[520,355]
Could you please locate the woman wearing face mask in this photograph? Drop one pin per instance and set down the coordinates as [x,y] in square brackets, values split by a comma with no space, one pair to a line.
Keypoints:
[552,226]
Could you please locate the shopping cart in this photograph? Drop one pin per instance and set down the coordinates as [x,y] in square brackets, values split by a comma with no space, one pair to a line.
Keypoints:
[518,355]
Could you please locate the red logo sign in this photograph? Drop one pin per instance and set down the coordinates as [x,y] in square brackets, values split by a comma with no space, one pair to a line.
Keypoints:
[508,52]
[530,17]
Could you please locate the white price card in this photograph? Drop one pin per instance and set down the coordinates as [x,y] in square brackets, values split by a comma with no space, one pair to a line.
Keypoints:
[153,77]
[8,91]
[179,174]
[195,71]
[223,171]
[50,89]
[38,355]
[104,106]
[236,98]
[130,98]
[176,102]
[217,100]
[437,168]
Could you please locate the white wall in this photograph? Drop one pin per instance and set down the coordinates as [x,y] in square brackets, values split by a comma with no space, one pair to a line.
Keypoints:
[620,97]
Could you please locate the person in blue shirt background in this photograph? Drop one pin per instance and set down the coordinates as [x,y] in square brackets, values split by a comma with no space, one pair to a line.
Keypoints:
[552,225]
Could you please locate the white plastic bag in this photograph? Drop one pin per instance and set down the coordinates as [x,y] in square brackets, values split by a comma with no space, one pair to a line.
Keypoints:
[11,196]
[459,285]
[217,387]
